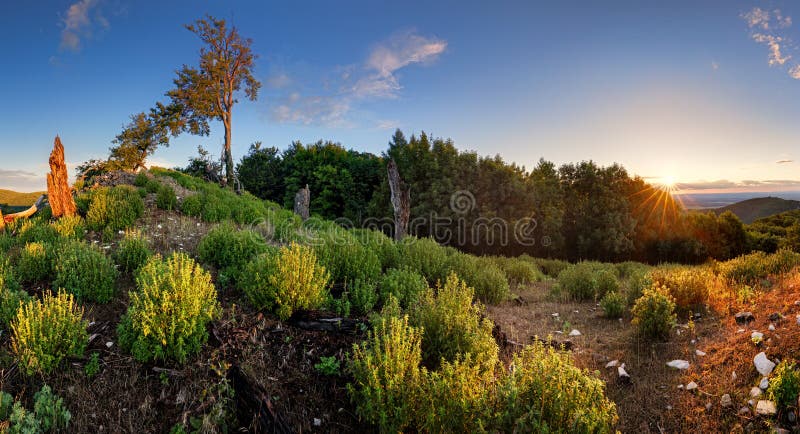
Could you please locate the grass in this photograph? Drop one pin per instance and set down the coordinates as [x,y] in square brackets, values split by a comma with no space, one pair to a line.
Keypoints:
[16,199]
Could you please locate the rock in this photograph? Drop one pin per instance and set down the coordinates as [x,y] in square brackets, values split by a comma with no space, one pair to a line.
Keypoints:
[612,364]
[775,316]
[709,406]
[798,319]
[622,375]
[317,422]
[733,376]
[726,400]
[766,408]
[764,384]
[771,328]
[740,331]
[109,344]
[755,392]
[750,402]
[691,386]
[554,315]
[574,332]
[699,353]
[680,364]
[757,336]
[744,317]
[764,366]
[744,411]
[680,387]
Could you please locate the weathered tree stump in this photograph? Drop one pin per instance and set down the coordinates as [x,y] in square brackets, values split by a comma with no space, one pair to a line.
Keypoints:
[401,201]
[59,193]
[302,202]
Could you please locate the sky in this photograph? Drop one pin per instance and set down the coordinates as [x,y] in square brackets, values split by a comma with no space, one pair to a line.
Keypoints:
[705,94]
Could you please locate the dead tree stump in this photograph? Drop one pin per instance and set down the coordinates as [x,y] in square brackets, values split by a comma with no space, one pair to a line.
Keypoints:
[302,202]
[59,193]
[401,201]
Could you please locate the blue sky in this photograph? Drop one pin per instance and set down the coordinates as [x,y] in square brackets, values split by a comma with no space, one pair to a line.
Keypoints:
[705,93]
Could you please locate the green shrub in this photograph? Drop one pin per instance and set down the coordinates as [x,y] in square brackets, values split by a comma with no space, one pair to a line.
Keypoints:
[362,296]
[92,367]
[141,179]
[613,304]
[519,271]
[629,268]
[578,281]
[165,198]
[551,267]
[482,274]
[654,312]
[346,258]
[605,282]
[687,285]
[45,332]
[328,366]
[382,245]
[385,369]
[637,282]
[73,227]
[752,269]
[49,414]
[285,281]
[34,263]
[168,313]
[192,205]
[225,246]
[33,231]
[403,284]
[545,392]
[85,271]
[784,385]
[10,294]
[453,325]
[425,256]
[133,252]
[456,398]
[114,208]
[6,242]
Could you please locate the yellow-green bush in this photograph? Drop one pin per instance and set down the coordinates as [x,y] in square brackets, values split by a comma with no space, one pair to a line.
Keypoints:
[404,284]
[480,273]
[382,245]
[752,269]
[654,312]
[45,332]
[165,198]
[784,386]
[386,375]
[544,391]
[613,304]
[36,231]
[133,252]
[605,281]
[551,267]
[114,208]
[425,256]
[225,246]
[73,227]
[346,259]
[285,281]
[168,313]
[519,271]
[34,263]
[687,285]
[85,271]
[192,205]
[453,326]
[578,282]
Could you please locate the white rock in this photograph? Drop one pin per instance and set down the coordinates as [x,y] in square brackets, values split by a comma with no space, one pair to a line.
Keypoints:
[574,332]
[554,315]
[680,387]
[764,366]
[317,422]
[691,386]
[699,353]
[757,336]
[771,328]
[726,400]
[798,319]
[159,226]
[678,364]
[766,408]
[575,311]
[109,344]
[733,376]
[751,402]
[740,331]
[612,364]
[755,392]
[622,374]
[764,384]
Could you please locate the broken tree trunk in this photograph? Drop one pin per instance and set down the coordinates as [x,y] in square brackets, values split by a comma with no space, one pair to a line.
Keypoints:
[2,221]
[302,202]
[401,201]
[59,193]
[24,214]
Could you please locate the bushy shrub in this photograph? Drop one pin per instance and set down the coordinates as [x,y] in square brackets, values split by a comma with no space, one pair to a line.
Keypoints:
[456,398]
[425,256]
[545,392]
[73,227]
[285,281]
[45,332]
[452,325]
[605,282]
[382,245]
[654,312]
[784,385]
[687,285]
[482,274]
[752,269]
[49,413]
[362,296]
[404,284]
[385,369]
[34,231]
[168,313]
[85,271]
[519,271]
[152,185]
[133,252]
[34,263]
[345,258]
[638,281]
[115,208]
[10,294]
[225,246]
[6,242]
[578,281]
[192,205]
[625,270]
[613,304]
[165,198]
[141,179]
[551,267]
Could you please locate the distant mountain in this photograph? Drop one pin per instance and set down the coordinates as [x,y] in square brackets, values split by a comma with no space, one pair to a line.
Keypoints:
[11,201]
[752,209]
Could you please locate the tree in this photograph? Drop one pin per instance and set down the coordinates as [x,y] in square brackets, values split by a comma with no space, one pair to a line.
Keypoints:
[141,137]
[261,173]
[208,92]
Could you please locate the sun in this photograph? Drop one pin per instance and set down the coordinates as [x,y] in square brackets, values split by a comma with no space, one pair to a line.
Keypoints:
[667,183]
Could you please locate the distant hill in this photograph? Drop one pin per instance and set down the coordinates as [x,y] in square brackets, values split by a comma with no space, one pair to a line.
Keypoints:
[751,210]
[12,201]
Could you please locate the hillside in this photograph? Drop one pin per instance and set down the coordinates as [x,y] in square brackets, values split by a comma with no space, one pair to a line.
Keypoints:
[751,210]
[15,199]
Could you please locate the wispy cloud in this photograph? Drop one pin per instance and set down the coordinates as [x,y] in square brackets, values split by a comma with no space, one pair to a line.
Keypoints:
[784,161]
[339,94]
[80,22]
[767,28]
[20,180]
[724,184]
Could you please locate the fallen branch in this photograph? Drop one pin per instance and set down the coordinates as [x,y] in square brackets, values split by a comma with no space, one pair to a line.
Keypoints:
[27,213]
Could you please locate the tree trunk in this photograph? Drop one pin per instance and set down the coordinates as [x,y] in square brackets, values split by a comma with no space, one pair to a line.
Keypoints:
[302,203]
[401,201]
[229,175]
[58,191]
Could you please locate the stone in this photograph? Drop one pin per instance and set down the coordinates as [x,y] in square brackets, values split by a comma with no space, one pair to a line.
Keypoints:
[726,400]
[678,364]
[744,317]
[574,332]
[791,416]
[744,411]
[771,328]
[764,366]
[554,315]
[317,422]
[798,319]
[709,406]
[755,392]
[622,375]
[612,364]
[691,386]
[699,353]
[109,344]
[757,336]
[766,408]
[764,384]
[733,376]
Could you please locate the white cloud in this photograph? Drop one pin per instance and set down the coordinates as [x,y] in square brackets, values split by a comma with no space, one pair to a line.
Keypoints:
[21,180]
[768,30]
[340,93]
[757,17]
[776,57]
[794,72]
[78,24]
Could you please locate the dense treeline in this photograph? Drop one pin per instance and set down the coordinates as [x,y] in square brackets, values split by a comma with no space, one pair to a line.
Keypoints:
[488,206]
